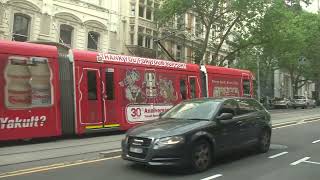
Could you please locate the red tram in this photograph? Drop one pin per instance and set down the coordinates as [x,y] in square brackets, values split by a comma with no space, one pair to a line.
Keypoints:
[50,90]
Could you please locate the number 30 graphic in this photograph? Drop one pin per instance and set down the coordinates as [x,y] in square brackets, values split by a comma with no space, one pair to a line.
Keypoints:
[135,112]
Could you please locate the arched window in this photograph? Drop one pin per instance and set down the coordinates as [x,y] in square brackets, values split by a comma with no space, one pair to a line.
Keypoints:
[66,34]
[93,41]
[21,27]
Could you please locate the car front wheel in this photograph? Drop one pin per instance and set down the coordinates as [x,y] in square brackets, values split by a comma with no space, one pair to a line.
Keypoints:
[201,156]
[264,141]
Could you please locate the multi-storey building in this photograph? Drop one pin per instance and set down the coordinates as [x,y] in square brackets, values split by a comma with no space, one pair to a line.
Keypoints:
[120,27]
[80,24]
[180,37]
[140,31]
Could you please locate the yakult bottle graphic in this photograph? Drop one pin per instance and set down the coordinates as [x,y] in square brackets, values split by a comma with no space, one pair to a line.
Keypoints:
[40,81]
[18,89]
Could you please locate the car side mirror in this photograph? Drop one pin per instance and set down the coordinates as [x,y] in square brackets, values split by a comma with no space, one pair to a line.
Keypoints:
[225,116]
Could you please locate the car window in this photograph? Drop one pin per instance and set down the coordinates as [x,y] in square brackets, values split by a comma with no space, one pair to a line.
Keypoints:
[245,107]
[299,97]
[257,106]
[199,110]
[229,106]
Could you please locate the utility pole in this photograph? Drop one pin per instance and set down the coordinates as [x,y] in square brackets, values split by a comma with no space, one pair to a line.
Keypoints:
[258,72]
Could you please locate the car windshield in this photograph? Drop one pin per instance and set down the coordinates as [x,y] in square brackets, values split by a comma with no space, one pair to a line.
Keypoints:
[194,110]
[299,97]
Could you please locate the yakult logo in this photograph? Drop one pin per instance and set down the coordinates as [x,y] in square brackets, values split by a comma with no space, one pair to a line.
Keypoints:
[17,122]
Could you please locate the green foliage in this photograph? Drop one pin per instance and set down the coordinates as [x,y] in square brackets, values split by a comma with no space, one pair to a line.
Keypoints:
[287,34]
[228,16]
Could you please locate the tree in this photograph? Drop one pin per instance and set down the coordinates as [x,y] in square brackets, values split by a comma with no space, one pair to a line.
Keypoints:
[290,36]
[228,15]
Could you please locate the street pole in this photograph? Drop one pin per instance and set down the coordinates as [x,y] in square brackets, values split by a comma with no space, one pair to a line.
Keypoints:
[258,72]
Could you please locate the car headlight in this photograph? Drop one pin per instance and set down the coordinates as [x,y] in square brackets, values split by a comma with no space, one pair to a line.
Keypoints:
[167,141]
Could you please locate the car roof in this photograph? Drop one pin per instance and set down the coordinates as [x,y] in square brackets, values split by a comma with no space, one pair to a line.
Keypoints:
[216,99]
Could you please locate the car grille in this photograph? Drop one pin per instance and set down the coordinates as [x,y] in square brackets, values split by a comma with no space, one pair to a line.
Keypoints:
[139,142]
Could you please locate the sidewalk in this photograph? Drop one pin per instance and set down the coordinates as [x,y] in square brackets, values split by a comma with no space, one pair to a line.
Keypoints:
[103,146]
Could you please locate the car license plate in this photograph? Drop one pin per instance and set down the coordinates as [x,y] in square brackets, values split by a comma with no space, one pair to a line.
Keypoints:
[136,150]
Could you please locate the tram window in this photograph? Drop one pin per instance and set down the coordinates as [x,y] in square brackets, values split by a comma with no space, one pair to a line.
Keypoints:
[92,85]
[246,88]
[110,84]
[193,87]
[183,89]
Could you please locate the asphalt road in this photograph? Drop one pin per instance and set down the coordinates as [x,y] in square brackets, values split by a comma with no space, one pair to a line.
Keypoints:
[294,155]
[15,156]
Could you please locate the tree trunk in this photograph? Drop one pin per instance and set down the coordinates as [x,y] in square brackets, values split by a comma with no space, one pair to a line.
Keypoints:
[216,53]
[204,47]
[292,79]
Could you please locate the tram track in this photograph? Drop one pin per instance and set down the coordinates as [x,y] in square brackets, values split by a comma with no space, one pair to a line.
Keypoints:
[56,148]
[73,155]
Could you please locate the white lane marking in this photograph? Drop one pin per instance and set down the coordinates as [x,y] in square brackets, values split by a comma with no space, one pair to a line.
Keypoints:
[316,141]
[296,124]
[212,177]
[300,161]
[277,155]
[312,162]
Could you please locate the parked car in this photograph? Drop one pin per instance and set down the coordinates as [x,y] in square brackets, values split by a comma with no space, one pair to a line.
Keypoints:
[282,103]
[303,102]
[193,132]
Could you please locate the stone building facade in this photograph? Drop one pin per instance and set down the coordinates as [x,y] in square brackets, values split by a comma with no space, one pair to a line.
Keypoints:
[80,24]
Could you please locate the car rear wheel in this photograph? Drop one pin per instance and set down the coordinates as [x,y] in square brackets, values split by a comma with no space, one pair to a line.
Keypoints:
[201,156]
[264,141]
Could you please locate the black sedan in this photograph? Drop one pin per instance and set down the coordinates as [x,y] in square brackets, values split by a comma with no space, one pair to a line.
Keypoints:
[195,131]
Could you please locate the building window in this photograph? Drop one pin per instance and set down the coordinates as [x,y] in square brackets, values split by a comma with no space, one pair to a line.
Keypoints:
[150,3]
[140,40]
[132,39]
[141,29]
[149,14]
[155,34]
[141,11]
[149,31]
[93,40]
[21,25]
[133,10]
[66,33]
[181,22]
[179,52]
[148,42]
[190,22]
[199,27]
[132,28]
